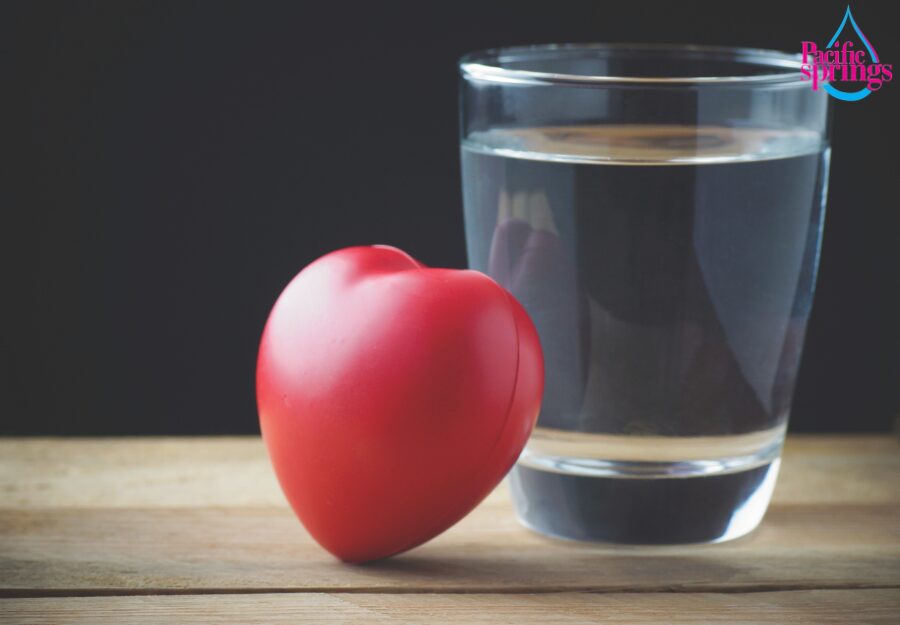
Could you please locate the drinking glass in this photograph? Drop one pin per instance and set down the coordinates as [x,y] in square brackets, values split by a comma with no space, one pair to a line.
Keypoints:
[658,211]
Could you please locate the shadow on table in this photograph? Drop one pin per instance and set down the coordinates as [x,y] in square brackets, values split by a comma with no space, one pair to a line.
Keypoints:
[566,567]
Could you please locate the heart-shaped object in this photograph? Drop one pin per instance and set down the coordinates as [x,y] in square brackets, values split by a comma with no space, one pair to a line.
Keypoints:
[393,397]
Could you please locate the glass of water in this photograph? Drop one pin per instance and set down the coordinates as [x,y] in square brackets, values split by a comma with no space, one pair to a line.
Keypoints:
[658,211]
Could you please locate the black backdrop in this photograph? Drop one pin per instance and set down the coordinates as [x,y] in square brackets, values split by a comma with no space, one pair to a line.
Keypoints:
[179,162]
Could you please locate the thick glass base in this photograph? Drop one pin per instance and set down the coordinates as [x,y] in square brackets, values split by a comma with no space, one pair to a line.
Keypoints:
[656,503]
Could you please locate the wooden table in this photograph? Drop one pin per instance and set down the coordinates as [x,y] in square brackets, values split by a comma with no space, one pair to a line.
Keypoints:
[195,530]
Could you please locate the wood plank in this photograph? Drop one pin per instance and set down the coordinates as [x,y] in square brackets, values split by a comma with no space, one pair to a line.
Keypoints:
[116,515]
[234,471]
[798,546]
[861,607]
[142,472]
[839,469]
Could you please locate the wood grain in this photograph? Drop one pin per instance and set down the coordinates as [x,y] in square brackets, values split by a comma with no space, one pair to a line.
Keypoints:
[136,472]
[121,515]
[864,607]
[119,550]
[235,472]
[142,530]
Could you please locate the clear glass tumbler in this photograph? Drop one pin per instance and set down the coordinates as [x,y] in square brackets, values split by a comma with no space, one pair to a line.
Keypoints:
[658,211]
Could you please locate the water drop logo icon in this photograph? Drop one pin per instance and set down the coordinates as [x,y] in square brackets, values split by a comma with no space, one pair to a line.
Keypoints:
[842,61]
[831,89]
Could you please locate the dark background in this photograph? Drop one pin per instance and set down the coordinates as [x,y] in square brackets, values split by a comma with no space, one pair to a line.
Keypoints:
[175,164]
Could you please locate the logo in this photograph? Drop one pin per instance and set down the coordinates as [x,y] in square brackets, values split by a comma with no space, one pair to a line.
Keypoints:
[841,61]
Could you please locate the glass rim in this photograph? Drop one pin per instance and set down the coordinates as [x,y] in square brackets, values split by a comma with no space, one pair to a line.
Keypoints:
[486,65]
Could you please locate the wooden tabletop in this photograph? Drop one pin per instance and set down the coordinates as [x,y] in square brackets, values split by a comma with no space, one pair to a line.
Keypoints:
[195,530]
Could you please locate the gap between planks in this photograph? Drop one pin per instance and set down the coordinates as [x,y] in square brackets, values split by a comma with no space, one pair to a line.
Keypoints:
[815,607]
[23,593]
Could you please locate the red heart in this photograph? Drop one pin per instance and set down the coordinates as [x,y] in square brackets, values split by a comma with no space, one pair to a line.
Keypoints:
[393,397]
